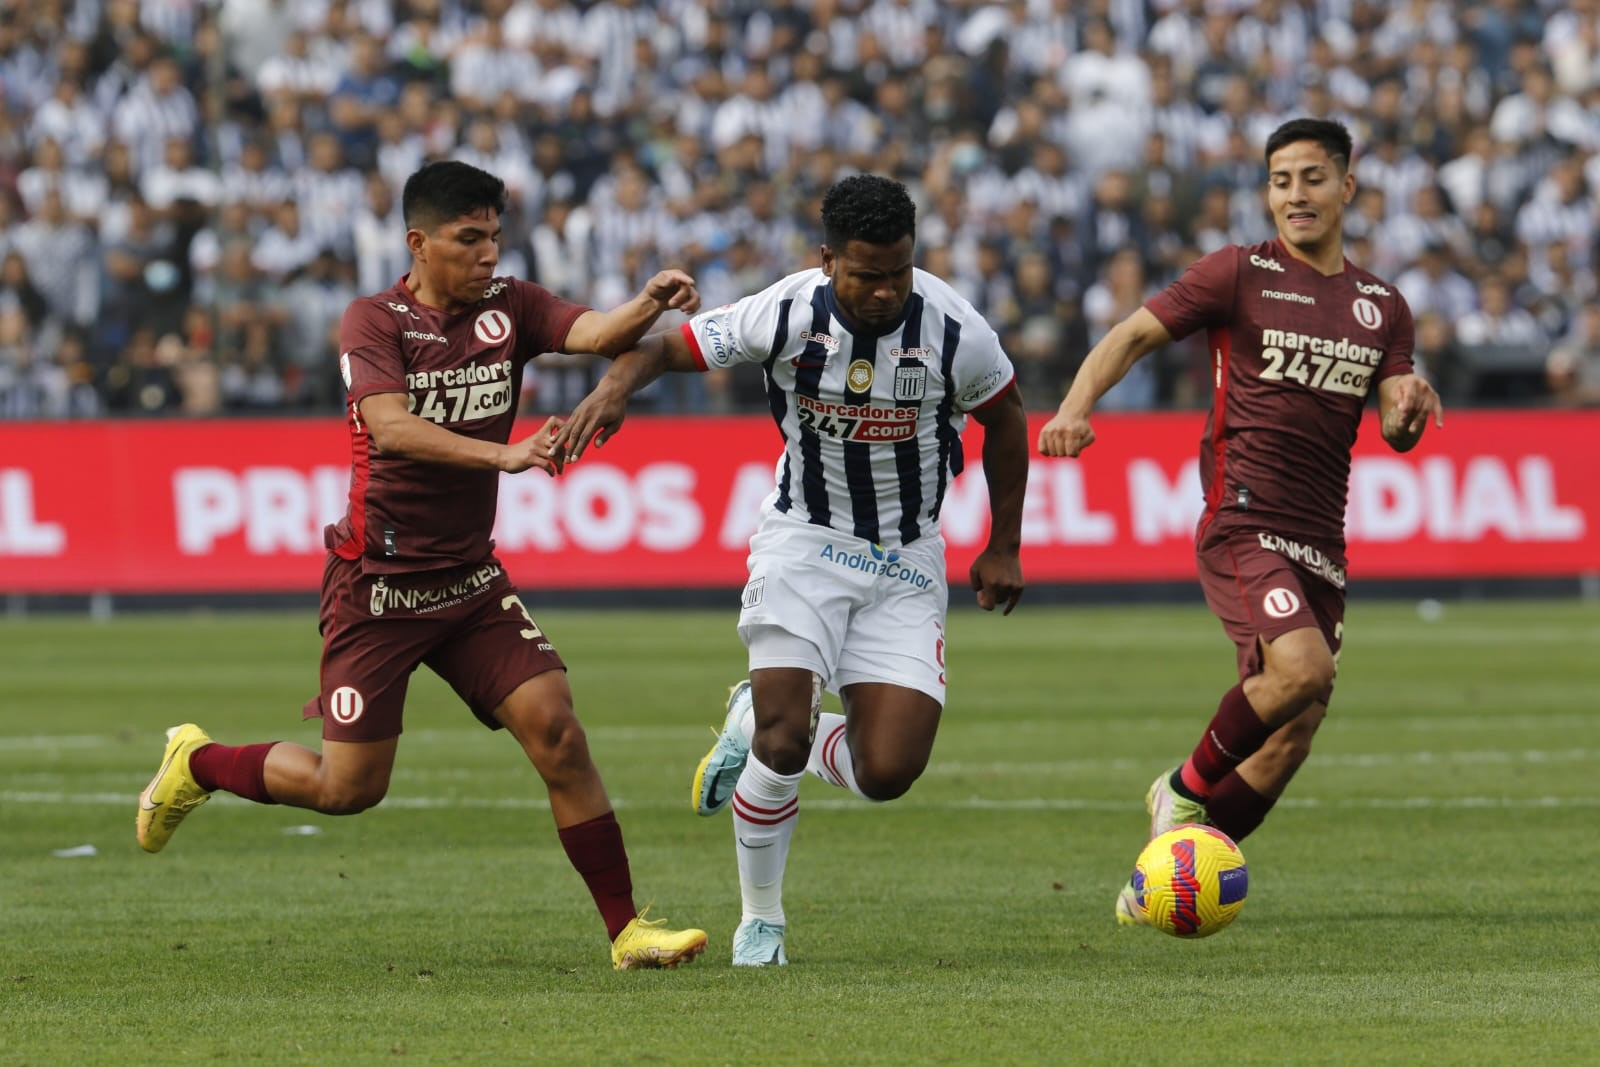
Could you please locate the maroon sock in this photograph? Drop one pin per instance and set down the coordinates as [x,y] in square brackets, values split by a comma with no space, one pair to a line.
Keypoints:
[1235,732]
[1235,808]
[595,849]
[239,769]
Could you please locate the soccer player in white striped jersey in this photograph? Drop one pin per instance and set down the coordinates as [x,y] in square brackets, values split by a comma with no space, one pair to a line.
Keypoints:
[872,368]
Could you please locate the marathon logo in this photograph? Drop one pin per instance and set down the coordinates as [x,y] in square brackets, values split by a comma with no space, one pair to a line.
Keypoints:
[1312,559]
[421,335]
[1296,298]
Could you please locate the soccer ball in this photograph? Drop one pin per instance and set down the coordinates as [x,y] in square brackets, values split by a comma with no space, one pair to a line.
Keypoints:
[1190,881]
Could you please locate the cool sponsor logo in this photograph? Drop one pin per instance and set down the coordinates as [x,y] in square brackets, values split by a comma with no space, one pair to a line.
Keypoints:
[1312,559]
[877,560]
[1265,263]
[1372,289]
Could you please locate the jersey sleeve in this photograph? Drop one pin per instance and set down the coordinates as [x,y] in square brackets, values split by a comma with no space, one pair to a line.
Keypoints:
[1203,296]
[1397,357]
[369,352]
[543,318]
[981,369]
[741,332]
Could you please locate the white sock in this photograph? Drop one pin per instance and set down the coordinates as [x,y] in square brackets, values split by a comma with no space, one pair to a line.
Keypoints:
[766,805]
[830,755]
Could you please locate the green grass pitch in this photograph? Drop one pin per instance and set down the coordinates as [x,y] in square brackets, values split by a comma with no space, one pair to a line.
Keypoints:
[1428,893]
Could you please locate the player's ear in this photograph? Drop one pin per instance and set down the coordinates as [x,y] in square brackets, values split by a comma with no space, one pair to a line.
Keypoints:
[1349,186]
[416,240]
[827,260]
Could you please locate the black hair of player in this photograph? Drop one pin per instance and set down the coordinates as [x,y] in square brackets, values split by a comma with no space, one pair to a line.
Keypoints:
[447,189]
[867,207]
[1331,135]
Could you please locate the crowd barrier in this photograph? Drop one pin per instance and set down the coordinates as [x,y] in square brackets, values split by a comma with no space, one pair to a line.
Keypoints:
[238,506]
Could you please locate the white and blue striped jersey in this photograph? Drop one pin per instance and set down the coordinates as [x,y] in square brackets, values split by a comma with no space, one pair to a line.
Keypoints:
[871,422]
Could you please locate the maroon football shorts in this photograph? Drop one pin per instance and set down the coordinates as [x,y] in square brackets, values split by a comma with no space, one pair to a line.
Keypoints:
[466,623]
[1258,591]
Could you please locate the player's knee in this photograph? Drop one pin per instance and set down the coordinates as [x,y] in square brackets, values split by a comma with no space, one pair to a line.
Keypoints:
[1305,678]
[558,744]
[886,781]
[782,749]
[350,798]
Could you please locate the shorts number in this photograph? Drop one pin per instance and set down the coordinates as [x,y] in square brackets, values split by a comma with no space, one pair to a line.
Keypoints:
[532,632]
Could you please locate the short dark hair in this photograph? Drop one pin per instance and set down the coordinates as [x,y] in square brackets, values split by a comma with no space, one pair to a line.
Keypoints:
[1330,134]
[867,207]
[447,189]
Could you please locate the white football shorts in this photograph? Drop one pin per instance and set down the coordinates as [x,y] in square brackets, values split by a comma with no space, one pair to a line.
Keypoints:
[846,609]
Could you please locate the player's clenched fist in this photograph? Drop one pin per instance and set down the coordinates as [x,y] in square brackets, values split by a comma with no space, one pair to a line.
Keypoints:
[674,289]
[1065,435]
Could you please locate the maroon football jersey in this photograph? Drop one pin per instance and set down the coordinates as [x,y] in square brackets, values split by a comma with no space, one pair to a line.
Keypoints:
[462,371]
[1294,355]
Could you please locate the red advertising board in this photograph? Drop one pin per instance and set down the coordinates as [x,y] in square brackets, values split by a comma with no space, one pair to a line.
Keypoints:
[239,506]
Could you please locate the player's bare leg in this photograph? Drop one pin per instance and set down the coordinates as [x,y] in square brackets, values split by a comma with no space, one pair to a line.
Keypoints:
[1297,667]
[346,777]
[766,806]
[882,743]
[539,714]
[342,779]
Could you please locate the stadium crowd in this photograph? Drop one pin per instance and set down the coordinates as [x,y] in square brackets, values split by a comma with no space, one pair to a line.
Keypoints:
[191,191]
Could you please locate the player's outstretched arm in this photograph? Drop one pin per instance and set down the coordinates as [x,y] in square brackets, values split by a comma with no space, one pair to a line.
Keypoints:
[1405,403]
[599,415]
[613,332]
[397,432]
[1068,432]
[997,572]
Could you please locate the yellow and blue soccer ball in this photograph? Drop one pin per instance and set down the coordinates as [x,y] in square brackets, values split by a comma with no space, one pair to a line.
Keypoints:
[1190,881]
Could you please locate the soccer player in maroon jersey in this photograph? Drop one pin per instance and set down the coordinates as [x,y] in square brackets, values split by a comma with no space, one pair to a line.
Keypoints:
[434,367]
[1299,337]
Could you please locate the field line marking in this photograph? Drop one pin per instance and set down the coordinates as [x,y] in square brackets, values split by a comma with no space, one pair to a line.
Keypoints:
[851,804]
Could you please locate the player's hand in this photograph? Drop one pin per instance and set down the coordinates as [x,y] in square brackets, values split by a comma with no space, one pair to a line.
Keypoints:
[1065,435]
[673,290]
[539,450]
[1414,401]
[596,418]
[997,579]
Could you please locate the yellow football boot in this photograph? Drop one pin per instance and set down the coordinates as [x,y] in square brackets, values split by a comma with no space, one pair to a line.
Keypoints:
[648,943]
[173,792]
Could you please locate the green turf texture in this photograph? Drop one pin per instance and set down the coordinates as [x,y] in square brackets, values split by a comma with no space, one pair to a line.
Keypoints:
[1429,892]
